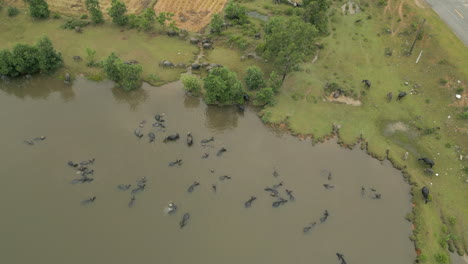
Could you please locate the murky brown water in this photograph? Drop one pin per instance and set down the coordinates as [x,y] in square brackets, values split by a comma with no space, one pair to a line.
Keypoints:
[43,220]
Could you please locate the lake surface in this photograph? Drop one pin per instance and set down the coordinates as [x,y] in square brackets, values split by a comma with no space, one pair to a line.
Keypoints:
[45,222]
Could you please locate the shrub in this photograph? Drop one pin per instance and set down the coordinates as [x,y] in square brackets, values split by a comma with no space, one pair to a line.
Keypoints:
[264,96]
[95,11]
[216,24]
[441,258]
[48,58]
[13,11]
[38,8]
[235,12]
[191,83]
[117,12]
[56,16]
[127,76]
[254,78]
[223,87]
[274,82]
[73,23]
[147,19]
[84,16]
[90,62]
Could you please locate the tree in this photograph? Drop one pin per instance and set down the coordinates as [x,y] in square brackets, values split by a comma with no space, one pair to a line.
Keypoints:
[48,58]
[254,78]
[264,96]
[38,8]
[216,24]
[117,12]
[191,83]
[6,64]
[90,57]
[110,67]
[323,5]
[163,17]
[147,19]
[223,87]
[287,42]
[24,58]
[129,75]
[316,14]
[95,11]
[235,12]
[274,82]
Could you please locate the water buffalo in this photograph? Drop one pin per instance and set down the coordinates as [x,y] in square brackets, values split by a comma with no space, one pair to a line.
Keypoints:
[177,162]
[341,258]
[124,187]
[205,156]
[428,162]
[194,40]
[67,78]
[207,46]
[195,66]
[138,133]
[367,83]
[224,177]
[72,164]
[189,139]
[328,186]
[281,201]
[166,63]
[291,196]
[29,142]
[213,187]
[276,186]
[249,202]
[172,33]
[246,97]
[401,95]
[324,217]
[173,137]
[77,58]
[132,201]
[180,65]
[151,136]
[258,35]
[206,40]
[275,173]
[140,187]
[184,220]
[425,193]
[221,151]
[389,97]
[363,191]
[240,107]
[89,200]
[205,141]
[171,208]
[377,196]
[309,227]
[192,187]
[273,191]
[159,118]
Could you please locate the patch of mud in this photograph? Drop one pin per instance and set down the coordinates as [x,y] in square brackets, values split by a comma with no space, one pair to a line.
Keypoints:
[350,8]
[394,127]
[344,100]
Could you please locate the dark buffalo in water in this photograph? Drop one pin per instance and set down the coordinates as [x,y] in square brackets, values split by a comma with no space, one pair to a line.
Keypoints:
[341,258]
[221,151]
[206,141]
[425,193]
[328,186]
[184,220]
[273,191]
[138,133]
[172,137]
[124,187]
[324,217]
[275,173]
[429,162]
[280,202]
[192,187]
[401,95]
[224,177]
[151,136]
[176,162]
[132,201]
[189,139]
[276,186]
[249,202]
[205,156]
[309,227]
[291,196]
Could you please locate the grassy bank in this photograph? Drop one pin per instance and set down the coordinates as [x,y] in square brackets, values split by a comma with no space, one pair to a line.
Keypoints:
[148,49]
[425,123]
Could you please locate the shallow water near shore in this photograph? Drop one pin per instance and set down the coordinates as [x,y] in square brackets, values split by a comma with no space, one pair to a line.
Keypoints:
[44,221]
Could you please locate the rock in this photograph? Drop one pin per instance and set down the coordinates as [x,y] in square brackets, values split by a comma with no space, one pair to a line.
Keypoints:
[67,78]
[458,96]
[406,83]
[405,157]
[78,29]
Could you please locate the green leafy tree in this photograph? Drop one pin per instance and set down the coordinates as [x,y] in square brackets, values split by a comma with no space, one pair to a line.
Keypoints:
[24,58]
[6,64]
[95,11]
[38,8]
[274,82]
[191,83]
[323,5]
[287,42]
[235,12]
[117,12]
[264,96]
[12,11]
[254,78]
[48,58]
[164,17]
[223,87]
[129,75]
[111,69]
[90,57]
[216,24]
[147,19]
[316,13]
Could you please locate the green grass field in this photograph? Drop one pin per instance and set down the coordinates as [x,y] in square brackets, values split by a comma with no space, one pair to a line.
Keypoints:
[355,51]
[148,49]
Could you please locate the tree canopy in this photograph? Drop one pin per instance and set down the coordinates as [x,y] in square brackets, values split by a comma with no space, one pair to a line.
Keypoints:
[38,8]
[29,59]
[254,78]
[191,83]
[223,87]
[216,25]
[287,42]
[95,11]
[117,12]
[127,76]
[236,12]
[315,12]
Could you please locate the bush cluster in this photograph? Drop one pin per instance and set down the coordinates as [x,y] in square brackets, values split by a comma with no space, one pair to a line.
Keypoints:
[127,76]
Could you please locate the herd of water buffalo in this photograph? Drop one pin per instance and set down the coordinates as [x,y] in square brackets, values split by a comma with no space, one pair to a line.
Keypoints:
[280,196]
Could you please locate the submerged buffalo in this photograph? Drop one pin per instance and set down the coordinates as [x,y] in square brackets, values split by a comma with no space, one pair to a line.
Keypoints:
[280,202]
[324,217]
[189,139]
[192,187]
[151,136]
[184,220]
[123,187]
[206,141]
[306,229]
[272,191]
[176,162]
[221,151]
[249,202]
[138,133]
[341,258]
[429,162]
[425,193]
[401,95]
[173,137]
[291,196]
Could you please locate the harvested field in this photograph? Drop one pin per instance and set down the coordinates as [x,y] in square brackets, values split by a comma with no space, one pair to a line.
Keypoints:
[192,15]
[77,7]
